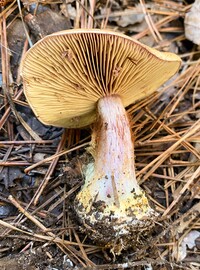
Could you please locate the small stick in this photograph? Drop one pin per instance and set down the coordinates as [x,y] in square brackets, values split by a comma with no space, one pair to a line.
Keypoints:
[16,163]
[25,142]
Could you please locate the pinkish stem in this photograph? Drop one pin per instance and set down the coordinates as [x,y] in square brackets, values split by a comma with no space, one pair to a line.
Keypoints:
[111,188]
[114,159]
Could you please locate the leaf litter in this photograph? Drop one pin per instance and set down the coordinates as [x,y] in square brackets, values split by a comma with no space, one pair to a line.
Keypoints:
[40,166]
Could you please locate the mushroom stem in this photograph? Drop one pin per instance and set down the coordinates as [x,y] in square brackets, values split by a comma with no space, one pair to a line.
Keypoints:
[111,198]
[114,158]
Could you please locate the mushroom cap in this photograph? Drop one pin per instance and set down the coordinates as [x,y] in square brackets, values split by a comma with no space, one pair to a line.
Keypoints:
[66,73]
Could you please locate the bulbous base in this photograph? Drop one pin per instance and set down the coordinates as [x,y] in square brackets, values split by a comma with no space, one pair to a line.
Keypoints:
[114,227]
[114,233]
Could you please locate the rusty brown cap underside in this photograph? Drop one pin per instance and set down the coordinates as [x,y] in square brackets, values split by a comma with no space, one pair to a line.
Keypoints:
[66,73]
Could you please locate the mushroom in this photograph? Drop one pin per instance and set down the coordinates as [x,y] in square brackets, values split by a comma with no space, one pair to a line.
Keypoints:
[77,77]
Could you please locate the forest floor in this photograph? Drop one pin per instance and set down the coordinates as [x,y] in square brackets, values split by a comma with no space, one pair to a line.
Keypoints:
[40,165]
